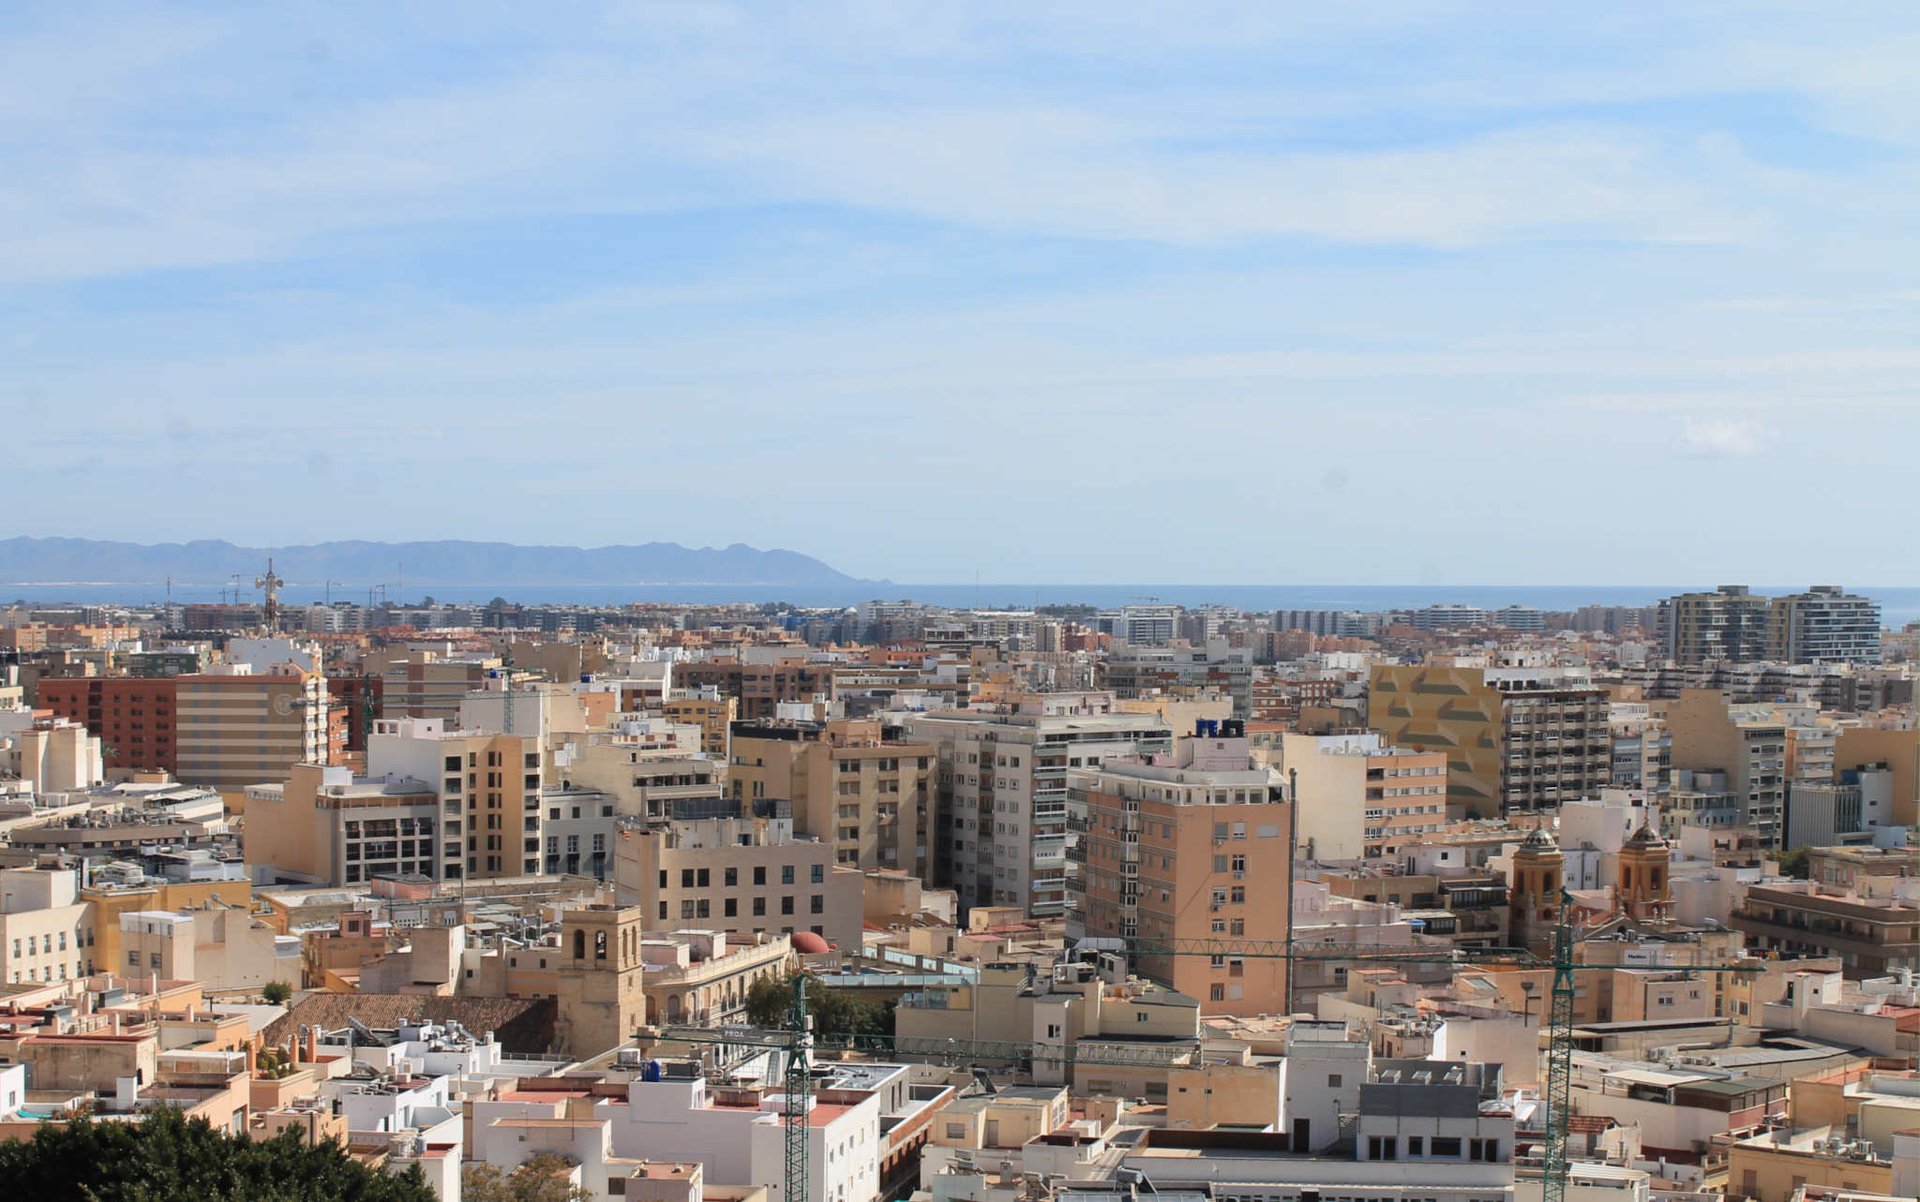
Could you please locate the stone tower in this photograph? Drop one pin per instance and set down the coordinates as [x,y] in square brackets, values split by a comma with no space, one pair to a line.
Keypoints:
[1533,896]
[600,995]
[1645,891]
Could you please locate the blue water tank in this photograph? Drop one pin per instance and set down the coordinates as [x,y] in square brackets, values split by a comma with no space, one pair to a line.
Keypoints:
[650,1071]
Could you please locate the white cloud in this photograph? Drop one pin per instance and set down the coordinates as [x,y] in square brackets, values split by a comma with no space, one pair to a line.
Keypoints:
[1724,438]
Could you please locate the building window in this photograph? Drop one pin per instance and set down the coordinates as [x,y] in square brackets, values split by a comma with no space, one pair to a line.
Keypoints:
[786,874]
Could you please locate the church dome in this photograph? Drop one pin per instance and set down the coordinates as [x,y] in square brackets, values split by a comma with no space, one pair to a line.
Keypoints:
[1645,839]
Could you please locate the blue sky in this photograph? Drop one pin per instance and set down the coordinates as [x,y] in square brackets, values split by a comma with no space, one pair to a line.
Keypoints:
[1247,293]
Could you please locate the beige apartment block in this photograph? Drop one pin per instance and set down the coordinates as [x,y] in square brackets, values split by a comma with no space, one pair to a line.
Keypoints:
[1358,798]
[1896,749]
[424,684]
[489,786]
[1746,742]
[1776,1166]
[236,730]
[325,826]
[870,797]
[745,876]
[713,715]
[46,929]
[224,950]
[110,899]
[1192,845]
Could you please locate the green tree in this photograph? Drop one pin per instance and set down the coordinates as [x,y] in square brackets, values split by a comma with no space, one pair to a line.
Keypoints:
[768,1000]
[1796,863]
[834,1011]
[276,992]
[541,1178]
[166,1157]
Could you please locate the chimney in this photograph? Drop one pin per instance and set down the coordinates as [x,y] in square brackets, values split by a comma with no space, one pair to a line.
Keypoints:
[313,1044]
[253,1057]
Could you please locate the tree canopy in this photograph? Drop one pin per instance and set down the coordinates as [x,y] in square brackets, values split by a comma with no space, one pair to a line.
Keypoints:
[834,1011]
[541,1178]
[1796,863]
[166,1157]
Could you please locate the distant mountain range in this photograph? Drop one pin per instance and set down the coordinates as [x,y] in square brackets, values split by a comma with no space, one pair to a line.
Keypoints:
[427,565]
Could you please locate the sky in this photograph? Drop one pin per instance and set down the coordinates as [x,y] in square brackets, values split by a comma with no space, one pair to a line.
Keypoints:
[1245,293]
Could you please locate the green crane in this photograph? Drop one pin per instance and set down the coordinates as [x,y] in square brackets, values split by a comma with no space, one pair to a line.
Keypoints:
[799,1090]
[1559,1094]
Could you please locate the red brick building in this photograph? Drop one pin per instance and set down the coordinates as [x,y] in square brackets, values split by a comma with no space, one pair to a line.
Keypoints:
[134,717]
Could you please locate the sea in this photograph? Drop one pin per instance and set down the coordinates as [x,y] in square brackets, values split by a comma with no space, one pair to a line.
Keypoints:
[1898,605]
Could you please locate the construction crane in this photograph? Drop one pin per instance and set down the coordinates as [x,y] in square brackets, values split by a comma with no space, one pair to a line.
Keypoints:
[799,1039]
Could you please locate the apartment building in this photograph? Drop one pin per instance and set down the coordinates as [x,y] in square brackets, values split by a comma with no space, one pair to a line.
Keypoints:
[1730,623]
[1746,743]
[713,715]
[1355,798]
[237,729]
[133,717]
[758,689]
[1422,1130]
[1848,808]
[1825,625]
[1788,1165]
[1064,1007]
[1140,625]
[50,755]
[1448,616]
[1516,740]
[733,1129]
[1179,671]
[46,927]
[1873,927]
[427,684]
[1187,844]
[1001,822]
[490,788]
[850,785]
[744,875]
[325,826]
[1898,751]
[1641,749]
